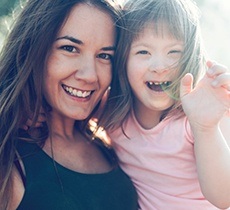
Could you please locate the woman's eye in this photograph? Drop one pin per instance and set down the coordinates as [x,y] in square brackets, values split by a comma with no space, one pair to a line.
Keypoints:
[69,48]
[143,52]
[105,56]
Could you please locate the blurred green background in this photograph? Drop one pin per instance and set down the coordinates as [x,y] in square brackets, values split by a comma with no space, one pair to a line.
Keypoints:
[215,22]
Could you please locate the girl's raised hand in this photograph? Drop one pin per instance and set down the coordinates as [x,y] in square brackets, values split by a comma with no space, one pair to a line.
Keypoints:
[41,119]
[220,74]
[207,103]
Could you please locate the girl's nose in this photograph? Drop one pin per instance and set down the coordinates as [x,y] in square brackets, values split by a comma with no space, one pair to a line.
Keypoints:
[87,70]
[158,65]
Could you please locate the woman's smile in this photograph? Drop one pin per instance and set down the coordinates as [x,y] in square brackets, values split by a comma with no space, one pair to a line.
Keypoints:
[79,67]
[76,92]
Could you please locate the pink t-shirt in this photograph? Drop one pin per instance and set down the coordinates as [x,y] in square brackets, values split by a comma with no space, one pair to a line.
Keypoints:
[161,164]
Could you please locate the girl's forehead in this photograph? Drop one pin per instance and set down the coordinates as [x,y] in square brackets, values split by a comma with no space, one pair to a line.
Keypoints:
[160,28]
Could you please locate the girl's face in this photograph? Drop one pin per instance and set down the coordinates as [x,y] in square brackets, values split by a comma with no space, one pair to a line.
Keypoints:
[79,66]
[151,68]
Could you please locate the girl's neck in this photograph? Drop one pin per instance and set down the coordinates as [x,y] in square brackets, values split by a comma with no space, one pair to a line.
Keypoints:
[147,120]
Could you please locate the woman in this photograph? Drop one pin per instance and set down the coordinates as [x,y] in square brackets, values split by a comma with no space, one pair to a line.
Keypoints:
[58,58]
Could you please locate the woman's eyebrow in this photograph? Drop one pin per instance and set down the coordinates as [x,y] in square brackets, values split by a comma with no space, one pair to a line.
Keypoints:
[77,41]
[110,48]
[70,38]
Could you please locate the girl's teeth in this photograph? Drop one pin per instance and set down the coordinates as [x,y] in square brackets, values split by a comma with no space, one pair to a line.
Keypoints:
[158,83]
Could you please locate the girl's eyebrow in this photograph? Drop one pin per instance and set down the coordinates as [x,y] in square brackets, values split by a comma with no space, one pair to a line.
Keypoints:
[138,44]
[77,41]
[145,44]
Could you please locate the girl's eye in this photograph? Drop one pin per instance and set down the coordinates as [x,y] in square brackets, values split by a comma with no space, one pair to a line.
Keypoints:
[143,52]
[174,51]
[69,48]
[105,56]
[175,54]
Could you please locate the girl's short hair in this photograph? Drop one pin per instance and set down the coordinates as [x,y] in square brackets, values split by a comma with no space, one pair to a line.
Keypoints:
[181,18]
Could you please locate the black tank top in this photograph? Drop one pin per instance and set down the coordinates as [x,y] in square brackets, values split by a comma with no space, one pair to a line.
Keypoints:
[50,186]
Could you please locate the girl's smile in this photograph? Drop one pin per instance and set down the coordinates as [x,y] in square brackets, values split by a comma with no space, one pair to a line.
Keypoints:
[158,86]
[151,68]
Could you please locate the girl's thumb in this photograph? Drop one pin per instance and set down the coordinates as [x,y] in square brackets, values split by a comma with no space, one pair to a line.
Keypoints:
[186,85]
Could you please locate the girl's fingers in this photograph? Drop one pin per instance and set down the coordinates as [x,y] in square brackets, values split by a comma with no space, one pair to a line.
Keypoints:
[222,80]
[29,122]
[41,118]
[216,69]
[220,75]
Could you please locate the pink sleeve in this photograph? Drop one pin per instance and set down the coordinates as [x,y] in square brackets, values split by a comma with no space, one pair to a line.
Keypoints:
[189,134]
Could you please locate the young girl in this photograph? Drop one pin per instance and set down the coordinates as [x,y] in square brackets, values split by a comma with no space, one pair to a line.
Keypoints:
[165,114]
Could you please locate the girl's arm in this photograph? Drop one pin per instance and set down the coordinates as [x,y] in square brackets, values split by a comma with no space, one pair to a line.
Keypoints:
[207,108]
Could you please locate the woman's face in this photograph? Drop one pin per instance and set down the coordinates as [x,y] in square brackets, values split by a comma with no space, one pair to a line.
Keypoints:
[79,66]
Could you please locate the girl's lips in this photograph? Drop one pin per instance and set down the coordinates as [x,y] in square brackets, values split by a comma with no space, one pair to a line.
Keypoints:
[76,92]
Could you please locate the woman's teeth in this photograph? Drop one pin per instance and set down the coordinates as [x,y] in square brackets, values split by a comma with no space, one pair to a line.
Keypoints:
[75,92]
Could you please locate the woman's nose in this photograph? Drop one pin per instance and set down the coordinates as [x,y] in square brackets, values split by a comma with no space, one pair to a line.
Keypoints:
[87,70]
